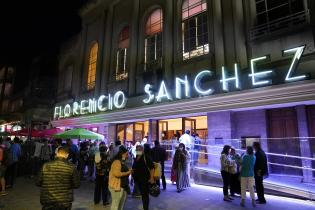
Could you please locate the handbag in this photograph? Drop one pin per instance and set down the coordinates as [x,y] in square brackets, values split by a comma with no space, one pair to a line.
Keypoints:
[157,170]
[154,190]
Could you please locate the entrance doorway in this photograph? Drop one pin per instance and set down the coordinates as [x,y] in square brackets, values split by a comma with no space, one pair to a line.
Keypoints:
[132,132]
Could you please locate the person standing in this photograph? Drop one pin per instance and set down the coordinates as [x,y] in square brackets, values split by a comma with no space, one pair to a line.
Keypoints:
[226,162]
[2,168]
[235,185]
[261,170]
[197,148]
[187,140]
[57,180]
[46,152]
[118,179]
[181,167]
[102,172]
[159,156]
[74,151]
[12,169]
[247,175]
[143,175]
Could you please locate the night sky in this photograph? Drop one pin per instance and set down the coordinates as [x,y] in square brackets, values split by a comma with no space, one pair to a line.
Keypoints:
[30,28]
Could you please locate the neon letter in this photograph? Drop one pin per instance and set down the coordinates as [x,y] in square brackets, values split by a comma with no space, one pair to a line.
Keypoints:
[225,81]
[110,102]
[76,108]
[197,81]
[150,97]
[253,75]
[100,103]
[56,112]
[116,100]
[178,87]
[67,111]
[83,108]
[163,93]
[295,62]
[92,105]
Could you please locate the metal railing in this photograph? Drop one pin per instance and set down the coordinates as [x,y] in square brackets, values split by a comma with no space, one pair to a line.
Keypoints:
[288,22]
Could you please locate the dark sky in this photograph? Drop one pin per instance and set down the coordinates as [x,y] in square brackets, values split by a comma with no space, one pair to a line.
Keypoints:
[29,28]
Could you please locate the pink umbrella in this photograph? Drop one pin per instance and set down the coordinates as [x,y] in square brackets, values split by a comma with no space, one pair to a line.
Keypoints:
[50,132]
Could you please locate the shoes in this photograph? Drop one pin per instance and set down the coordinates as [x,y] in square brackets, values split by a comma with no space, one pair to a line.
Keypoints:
[230,198]
[106,203]
[179,191]
[3,193]
[242,203]
[261,201]
[253,203]
[226,198]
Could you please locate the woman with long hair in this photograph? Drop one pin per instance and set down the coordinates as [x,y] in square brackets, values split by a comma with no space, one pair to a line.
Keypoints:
[118,179]
[226,162]
[180,166]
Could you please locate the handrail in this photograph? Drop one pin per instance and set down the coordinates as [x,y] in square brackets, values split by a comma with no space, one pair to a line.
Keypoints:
[279,24]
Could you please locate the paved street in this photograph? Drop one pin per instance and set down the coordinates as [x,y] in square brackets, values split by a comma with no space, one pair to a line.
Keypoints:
[25,196]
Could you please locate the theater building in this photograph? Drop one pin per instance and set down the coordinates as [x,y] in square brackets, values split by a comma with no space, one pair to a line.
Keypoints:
[232,71]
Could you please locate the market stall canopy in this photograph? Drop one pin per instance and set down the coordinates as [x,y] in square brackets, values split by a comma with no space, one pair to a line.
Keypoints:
[26,132]
[50,132]
[79,133]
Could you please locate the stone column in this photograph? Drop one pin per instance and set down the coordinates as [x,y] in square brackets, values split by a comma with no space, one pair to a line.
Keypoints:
[304,142]
[218,34]
[219,133]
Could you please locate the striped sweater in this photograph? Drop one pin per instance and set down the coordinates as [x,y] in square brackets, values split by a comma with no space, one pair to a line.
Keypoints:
[57,180]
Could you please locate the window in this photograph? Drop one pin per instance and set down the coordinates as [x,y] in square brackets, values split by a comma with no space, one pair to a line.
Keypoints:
[153,40]
[121,55]
[92,67]
[194,28]
[271,10]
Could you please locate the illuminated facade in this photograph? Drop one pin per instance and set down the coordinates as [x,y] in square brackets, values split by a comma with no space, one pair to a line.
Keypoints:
[236,72]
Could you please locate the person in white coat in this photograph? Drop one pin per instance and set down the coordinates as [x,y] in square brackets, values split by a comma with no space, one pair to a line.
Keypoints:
[187,140]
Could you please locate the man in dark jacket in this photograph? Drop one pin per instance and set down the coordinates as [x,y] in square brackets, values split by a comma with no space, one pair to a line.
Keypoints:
[57,180]
[159,156]
[261,170]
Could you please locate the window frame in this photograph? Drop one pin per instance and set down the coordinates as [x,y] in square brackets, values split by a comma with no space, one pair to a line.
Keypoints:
[197,50]
[92,67]
[158,44]
[119,76]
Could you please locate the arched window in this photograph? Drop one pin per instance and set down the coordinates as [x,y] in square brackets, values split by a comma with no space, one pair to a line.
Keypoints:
[121,55]
[91,76]
[153,40]
[194,28]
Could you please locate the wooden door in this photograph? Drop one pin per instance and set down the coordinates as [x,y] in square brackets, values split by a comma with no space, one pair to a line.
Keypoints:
[282,124]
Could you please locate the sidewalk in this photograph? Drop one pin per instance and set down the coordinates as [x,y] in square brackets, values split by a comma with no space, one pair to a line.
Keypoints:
[25,196]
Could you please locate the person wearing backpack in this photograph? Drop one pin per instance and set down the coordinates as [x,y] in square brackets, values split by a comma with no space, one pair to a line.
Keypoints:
[2,168]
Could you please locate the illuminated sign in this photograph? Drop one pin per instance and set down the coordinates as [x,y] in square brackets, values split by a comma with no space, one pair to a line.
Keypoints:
[90,106]
[184,87]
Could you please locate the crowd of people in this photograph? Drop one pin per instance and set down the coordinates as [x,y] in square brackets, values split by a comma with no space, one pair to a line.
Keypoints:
[242,172]
[119,170]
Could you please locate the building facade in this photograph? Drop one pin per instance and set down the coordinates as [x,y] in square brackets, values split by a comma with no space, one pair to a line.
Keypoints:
[233,71]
